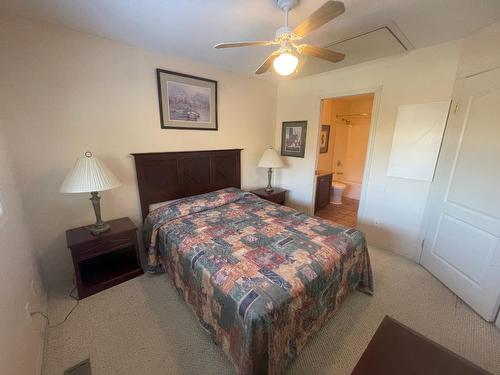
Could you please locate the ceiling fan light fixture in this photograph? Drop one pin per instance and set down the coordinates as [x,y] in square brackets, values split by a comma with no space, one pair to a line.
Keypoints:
[285,64]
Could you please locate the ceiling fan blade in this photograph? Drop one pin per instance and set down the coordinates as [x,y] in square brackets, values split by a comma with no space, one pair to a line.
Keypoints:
[327,12]
[321,53]
[245,44]
[267,64]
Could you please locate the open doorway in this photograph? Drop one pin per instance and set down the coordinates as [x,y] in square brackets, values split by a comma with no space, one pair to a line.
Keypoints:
[343,143]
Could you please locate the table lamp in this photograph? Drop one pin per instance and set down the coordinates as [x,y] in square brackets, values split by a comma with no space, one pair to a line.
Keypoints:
[270,159]
[89,175]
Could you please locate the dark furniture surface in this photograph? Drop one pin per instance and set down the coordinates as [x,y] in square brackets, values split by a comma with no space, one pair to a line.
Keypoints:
[323,186]
[276,196]
[105,260]
[163,176]
[396,349]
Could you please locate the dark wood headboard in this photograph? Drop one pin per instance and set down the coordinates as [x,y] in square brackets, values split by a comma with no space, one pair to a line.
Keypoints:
[164,176]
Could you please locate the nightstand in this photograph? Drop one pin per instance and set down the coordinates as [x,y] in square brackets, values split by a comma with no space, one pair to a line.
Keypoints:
[104,260]
[277,196]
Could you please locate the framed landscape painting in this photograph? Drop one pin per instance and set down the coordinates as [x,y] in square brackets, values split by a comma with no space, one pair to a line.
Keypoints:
[186,102]
[324,139]
[293,138]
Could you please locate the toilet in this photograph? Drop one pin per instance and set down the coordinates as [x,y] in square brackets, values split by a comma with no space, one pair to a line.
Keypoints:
[336,192]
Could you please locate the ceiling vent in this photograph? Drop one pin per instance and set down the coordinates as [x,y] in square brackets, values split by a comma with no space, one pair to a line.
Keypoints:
[383,41]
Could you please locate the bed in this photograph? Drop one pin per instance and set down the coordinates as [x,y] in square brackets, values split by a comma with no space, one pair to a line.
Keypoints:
[260,277]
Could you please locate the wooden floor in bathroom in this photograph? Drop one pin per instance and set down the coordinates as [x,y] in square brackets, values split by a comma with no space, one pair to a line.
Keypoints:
[344,214]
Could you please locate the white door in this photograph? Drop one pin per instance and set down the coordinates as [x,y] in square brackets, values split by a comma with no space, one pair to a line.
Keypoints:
[462,240]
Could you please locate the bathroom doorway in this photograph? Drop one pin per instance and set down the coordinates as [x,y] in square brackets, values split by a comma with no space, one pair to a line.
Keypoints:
[342,152]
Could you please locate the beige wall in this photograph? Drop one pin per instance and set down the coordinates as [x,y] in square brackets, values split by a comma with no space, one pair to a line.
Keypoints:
[348,143]
[65,92]
[357,141]
[391,214]
[330,109]
[325,160]
[340,136]
[21,339]
[480,51]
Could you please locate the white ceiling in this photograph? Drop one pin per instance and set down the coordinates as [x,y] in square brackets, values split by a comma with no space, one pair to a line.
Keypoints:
[190,28]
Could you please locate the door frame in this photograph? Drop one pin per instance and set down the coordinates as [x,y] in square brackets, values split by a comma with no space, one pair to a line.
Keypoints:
[377,94]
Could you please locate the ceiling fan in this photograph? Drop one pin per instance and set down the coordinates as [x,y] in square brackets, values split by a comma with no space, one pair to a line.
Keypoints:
[284,60]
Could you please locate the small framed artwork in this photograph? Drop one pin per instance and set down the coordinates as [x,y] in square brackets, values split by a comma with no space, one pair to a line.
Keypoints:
[293,138]
[324,139]
[186,102]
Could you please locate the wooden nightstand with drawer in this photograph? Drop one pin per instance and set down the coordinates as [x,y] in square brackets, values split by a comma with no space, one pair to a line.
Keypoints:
[104,260]
[276,196]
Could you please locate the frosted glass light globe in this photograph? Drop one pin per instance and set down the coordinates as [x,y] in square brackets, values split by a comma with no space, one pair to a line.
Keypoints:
[285,64]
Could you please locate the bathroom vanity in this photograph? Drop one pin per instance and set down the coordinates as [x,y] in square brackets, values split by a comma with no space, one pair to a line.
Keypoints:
[323,186]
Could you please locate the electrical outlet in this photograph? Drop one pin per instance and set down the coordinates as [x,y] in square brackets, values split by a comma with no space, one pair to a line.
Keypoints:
[27,307]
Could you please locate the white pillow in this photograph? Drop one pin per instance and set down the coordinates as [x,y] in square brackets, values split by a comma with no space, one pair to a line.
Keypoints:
[154,206]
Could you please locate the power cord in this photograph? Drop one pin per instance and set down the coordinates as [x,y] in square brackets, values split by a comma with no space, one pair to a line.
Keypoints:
[67,315]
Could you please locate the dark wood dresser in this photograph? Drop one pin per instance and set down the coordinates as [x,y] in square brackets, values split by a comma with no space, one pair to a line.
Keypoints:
[396,349]
[323,186]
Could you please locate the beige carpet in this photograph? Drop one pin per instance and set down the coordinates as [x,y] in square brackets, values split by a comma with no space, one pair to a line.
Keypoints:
[143,327]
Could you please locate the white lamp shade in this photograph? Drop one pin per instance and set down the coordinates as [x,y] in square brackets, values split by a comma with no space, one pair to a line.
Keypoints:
[88,175]
[270,159]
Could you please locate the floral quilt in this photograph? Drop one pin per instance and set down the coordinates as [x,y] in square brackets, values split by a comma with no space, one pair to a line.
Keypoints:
[260,277]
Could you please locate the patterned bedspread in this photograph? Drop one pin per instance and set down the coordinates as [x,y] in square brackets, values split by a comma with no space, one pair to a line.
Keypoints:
[260,277]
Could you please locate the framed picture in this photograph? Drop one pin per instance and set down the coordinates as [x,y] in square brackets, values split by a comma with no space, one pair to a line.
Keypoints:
[186,102]
[324,139]
[293,138]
